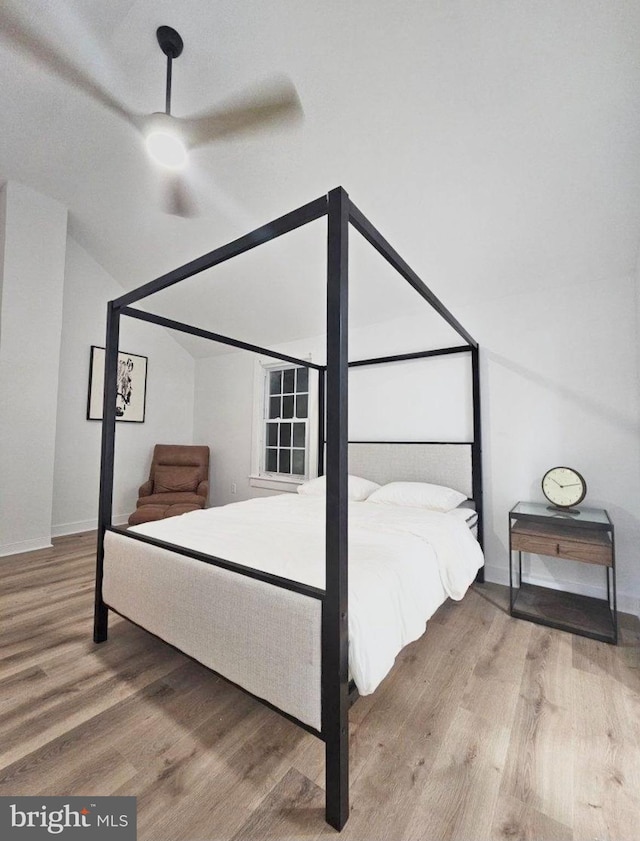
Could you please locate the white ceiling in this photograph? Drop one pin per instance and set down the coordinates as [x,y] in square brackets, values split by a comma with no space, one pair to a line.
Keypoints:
[496,145]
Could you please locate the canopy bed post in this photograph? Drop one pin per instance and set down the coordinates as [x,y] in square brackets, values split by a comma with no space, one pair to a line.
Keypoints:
[335,673]
[105,507]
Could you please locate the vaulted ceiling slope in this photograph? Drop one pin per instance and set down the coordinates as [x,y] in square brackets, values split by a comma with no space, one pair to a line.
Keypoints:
[496,145]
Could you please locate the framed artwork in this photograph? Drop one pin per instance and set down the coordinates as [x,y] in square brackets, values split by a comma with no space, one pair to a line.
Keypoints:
[131,388]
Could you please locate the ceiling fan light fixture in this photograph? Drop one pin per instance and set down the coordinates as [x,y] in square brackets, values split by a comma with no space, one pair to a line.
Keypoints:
[167,149]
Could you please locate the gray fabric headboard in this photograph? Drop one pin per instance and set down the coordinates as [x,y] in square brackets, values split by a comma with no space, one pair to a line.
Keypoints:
[440,464]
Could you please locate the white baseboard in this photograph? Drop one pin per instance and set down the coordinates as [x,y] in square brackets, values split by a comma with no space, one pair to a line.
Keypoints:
[627,602]
[63,529]
[56,531]
[25,546]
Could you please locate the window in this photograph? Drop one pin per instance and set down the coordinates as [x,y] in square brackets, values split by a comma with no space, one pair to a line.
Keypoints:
[285,425]
[286,421]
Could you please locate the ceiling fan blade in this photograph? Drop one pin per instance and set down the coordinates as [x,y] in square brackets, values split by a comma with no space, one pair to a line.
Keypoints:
[22,36]
[178,198]
[275,102]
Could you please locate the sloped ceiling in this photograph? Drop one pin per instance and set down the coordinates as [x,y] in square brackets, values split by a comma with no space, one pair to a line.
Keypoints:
[496,145]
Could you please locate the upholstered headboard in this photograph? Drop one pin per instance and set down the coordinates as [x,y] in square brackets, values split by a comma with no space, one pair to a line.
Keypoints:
[440,464]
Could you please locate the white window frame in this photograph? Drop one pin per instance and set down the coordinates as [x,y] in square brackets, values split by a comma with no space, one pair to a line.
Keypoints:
[259,476]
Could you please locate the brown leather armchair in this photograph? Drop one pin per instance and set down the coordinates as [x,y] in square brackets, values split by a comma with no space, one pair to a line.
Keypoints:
[178,482]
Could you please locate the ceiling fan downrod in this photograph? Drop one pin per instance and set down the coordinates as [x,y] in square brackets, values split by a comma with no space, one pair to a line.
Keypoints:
[164,140]
[171,45]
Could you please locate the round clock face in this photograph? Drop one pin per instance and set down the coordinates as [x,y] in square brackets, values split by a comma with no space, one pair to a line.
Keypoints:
[564,486]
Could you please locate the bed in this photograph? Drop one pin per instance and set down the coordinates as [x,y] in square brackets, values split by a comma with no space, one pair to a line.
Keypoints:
[404,562]
[282,629]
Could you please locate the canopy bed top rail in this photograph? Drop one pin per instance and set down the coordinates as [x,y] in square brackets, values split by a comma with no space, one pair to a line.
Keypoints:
[215,337]
[171,324]
[289,222]
[401,357]
[373,236]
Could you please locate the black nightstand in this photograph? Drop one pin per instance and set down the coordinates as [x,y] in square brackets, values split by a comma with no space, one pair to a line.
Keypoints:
[586,536]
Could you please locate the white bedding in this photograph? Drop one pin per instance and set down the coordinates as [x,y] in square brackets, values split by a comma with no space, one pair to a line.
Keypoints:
[403,563]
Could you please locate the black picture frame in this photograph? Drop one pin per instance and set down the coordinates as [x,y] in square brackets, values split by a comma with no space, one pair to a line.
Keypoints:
[131,401]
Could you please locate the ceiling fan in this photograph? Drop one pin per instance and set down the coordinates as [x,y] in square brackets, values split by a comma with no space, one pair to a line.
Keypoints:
[168,138]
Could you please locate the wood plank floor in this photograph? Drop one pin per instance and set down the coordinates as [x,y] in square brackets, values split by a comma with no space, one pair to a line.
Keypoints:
[487,728]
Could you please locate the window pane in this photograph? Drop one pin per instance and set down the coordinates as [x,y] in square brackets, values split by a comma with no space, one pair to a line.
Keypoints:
[275,382]
[287,381]
[302,376]
[272,434]
[272,460]
[285,434]
[287,407]
[298,435]
[287,411]
[297,465]
[285,461]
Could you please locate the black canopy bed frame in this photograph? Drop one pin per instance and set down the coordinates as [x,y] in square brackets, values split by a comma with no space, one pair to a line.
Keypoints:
[336,693]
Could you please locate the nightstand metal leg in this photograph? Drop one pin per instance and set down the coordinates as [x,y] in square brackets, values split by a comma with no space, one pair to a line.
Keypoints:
[613,586]
[510,582]
[510,569]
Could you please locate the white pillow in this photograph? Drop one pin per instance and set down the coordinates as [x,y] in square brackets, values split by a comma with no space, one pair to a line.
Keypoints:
[418,495]
[358,489]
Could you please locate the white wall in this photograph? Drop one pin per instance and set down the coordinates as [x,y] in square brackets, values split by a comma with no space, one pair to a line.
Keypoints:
[560,386]
[400,407]
[3,221]
[417,400]
[222,419]
[32,269]
[560,376]
[169,409]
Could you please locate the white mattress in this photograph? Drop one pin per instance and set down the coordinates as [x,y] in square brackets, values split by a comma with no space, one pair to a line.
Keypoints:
[403,563]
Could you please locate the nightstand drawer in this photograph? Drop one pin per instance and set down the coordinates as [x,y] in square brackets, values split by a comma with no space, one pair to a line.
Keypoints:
[586,545]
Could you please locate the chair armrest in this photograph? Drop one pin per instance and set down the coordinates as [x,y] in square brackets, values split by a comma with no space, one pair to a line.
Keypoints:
[146,489]
[203,489]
